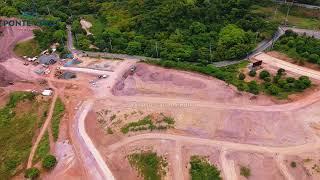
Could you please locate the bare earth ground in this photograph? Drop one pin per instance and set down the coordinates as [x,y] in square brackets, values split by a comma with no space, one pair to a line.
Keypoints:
[6,77]
[155,81]
[262,166]
[279,129]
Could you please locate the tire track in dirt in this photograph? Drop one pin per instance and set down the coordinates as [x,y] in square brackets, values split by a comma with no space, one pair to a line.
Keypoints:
[228,167]
[283,168]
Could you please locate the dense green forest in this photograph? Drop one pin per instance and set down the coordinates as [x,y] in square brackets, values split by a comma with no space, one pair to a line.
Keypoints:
[302,48]
[186,30]
[198,30]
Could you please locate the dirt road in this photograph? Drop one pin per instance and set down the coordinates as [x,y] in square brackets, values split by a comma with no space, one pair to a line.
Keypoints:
[283,168]
[228,167]
[45,125]
[312,146]
[288,66]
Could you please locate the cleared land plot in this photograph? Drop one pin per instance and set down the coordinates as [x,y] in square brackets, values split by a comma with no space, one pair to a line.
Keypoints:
[261,166]
[156,81]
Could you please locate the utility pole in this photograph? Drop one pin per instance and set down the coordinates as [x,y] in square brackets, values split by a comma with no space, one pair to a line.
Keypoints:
[255,41]
[157,50]
[48,10]
[110,42]
[289,7]
[210,49]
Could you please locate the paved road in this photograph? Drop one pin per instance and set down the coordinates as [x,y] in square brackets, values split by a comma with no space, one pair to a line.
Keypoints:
[308,6]
[81,116]
[86,70]
[72,49]
[308,32]
[288,66]
[265,45]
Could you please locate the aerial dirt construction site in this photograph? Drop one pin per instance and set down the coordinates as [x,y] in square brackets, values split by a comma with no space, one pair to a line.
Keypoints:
[116,109]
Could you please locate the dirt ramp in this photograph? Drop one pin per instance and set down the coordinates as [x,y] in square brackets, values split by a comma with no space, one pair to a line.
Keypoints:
[10,36]
[6,77]
[153,74]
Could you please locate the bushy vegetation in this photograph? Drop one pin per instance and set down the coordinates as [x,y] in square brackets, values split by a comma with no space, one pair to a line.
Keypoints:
[58,113]
[147,124]
[32,173]
[184,30]
[49,162]
[201,169]
[293,164]
[301,48]
[16,132]
[43,148]
[149,165]
[245,171]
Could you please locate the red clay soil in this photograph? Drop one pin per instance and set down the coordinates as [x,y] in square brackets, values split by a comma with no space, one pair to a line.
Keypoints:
[6,77]
[9,37]
[156,81]
[262,167]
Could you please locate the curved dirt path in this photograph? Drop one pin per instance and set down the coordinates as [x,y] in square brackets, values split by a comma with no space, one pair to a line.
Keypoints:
[220,144]
[283,168]
[228,167]
[288,66]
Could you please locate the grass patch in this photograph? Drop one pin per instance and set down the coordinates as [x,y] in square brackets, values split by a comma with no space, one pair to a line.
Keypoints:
[58,113]
[28,48]
[299,16]
[149,165]
[147,124]
[43,148]
[16,133]
[201,169]
[245,171]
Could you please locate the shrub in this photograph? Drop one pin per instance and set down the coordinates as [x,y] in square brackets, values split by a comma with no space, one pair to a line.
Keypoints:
[49,162]
[264,74]
[244,171]
[32,173]
[293,164]
[273,89]
[276,78]
[306,81]
[253,87]
[314,58]
[267,79]
[241,76]
[281,72]
[290,80]
[202,169]
[252,73]
[109,130]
